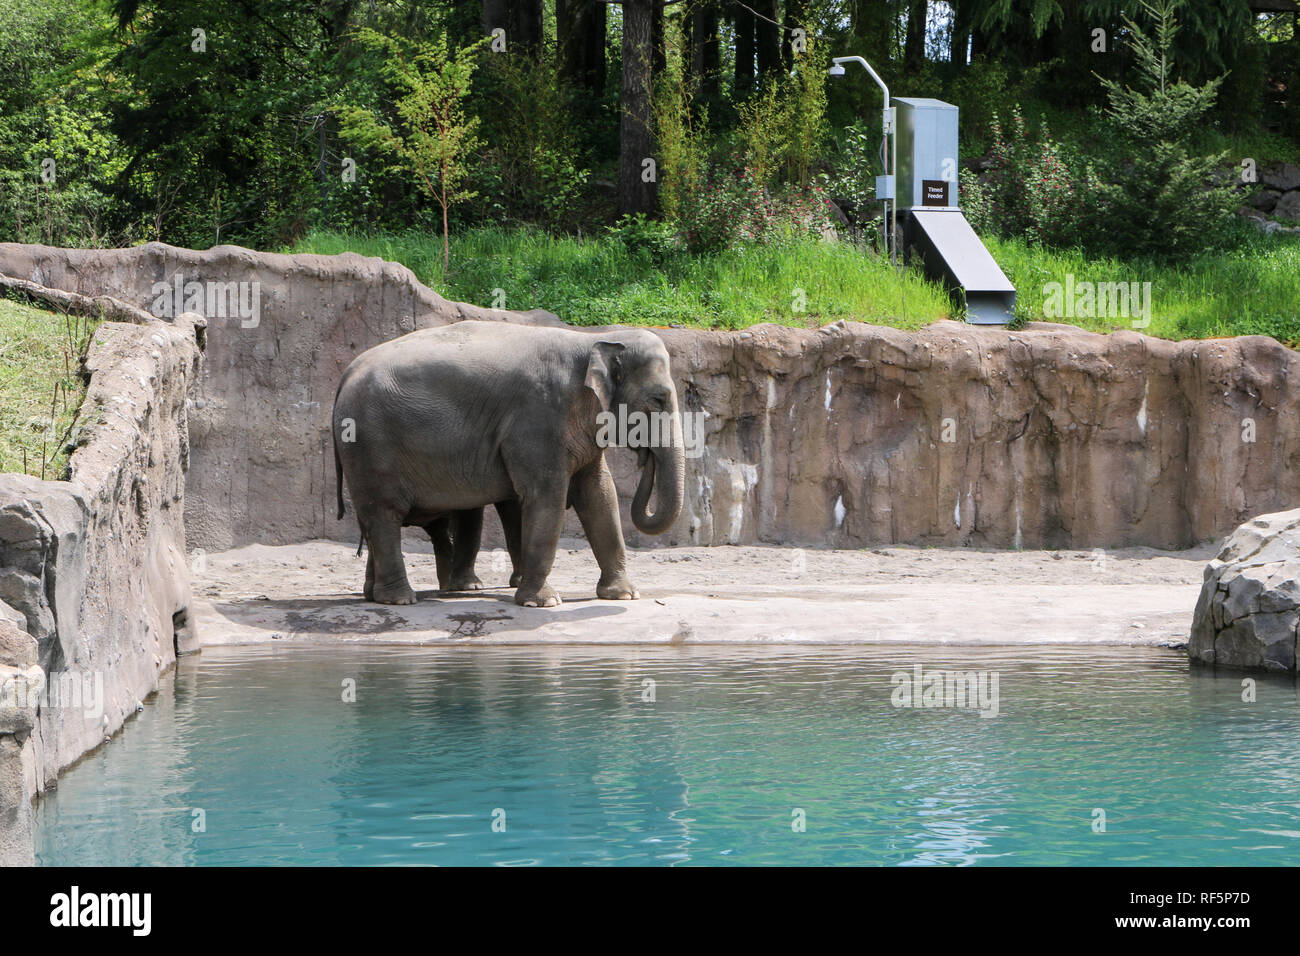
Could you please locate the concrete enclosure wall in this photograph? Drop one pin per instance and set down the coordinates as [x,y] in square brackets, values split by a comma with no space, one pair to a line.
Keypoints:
[94,584]
[845,436]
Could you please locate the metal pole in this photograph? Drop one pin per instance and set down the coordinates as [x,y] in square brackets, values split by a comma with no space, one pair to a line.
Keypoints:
[891,206]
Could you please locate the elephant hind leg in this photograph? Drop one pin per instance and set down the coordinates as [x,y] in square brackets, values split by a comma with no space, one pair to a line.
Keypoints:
[390,585]
[439,531]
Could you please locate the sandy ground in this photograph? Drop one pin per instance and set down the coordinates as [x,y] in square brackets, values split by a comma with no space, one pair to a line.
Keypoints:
[312,592]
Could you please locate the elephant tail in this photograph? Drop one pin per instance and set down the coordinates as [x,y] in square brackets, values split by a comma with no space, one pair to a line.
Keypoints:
[338,461]
[338,476]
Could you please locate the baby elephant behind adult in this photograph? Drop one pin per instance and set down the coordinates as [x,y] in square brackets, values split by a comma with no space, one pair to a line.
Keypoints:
[451,419]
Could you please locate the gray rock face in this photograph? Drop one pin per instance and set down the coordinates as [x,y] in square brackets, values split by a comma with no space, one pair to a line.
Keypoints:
[846,436]
[1288,206]
[1282,177]
[1264,201]
[18,674]
[1249,609]
[93,573]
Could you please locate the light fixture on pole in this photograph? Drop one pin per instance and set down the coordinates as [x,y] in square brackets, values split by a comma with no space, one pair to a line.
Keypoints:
[886,184]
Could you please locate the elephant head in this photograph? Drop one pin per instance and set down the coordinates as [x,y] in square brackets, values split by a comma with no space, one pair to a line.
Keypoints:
[630,374]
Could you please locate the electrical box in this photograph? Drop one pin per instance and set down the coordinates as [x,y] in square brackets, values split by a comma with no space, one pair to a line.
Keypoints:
[927,153]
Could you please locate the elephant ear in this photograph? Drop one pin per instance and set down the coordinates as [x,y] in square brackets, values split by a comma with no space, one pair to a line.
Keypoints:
[605,371]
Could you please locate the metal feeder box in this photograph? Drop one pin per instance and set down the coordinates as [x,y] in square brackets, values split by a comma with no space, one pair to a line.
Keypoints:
[933,225]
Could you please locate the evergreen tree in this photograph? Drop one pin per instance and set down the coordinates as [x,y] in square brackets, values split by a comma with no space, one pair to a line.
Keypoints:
[1162,200]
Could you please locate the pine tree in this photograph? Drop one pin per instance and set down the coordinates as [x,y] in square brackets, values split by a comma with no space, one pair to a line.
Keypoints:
[1163,200]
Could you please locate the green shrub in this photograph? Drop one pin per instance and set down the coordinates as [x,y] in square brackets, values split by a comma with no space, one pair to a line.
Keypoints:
[732,207]
[1030,191]
[642,236]
[853,181]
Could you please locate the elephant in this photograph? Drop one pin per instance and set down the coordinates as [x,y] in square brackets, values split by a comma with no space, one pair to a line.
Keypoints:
[431,427]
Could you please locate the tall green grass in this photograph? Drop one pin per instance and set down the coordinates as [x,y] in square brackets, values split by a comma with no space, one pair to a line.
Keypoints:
[1251,288]
[599,281]
[40,389]
[1250,285]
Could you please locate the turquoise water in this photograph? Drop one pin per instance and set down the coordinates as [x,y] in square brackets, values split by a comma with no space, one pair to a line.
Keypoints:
[714,770]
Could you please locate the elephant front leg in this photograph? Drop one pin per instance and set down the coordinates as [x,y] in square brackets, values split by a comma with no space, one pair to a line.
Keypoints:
[542,521]
[596,500]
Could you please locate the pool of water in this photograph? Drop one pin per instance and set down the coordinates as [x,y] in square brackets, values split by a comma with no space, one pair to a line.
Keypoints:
[511,756]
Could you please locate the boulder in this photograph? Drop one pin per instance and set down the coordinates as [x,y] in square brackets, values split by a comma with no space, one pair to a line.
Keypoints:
[17,647]
[1288,206]
[1248,613]
[1265,200]
[1282,177]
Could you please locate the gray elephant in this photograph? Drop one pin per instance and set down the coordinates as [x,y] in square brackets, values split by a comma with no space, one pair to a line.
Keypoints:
[431,427]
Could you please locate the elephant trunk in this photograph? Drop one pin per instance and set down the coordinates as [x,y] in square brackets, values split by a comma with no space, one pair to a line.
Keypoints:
[663,469]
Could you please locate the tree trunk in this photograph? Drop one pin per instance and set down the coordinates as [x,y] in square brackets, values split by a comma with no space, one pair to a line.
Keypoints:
[580,32]
[744,81]
[657,39]
[959,47]
[526,21]
[768,36]
[635,142]
[496,13]
[874,23]
[706,61]
[521,19]
[914,46]
[796,16]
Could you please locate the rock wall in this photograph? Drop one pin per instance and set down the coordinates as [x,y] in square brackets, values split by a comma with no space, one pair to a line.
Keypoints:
[1050,437]
[1276,198]
[94,584]
[18,670]
[262,464]
[847,436]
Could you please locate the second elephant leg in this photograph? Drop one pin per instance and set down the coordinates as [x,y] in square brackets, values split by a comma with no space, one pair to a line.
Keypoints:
[511,519]
[466,535]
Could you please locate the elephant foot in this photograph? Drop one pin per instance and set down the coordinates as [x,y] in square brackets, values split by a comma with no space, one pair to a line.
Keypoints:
[468,582]
[616,589]
[516,579]
[544,596]
[395,595]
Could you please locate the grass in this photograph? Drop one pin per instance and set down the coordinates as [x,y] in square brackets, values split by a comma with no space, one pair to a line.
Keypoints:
[600,281]
[1250,287]
[40,390]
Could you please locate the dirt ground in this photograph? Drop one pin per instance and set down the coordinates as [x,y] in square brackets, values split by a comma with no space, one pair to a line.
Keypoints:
[312,592]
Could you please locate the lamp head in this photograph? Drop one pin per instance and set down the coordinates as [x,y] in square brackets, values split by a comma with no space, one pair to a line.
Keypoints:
[835,70]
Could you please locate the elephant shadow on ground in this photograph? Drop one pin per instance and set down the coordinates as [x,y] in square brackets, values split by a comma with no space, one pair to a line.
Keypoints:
[455,614]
